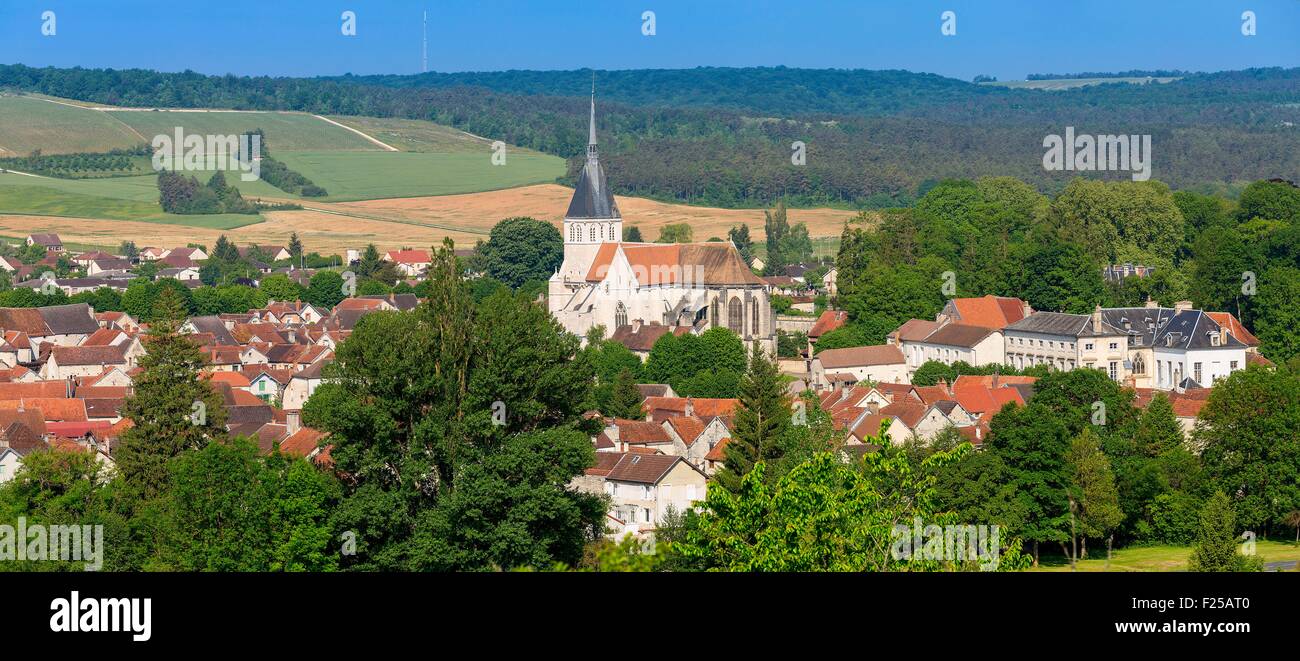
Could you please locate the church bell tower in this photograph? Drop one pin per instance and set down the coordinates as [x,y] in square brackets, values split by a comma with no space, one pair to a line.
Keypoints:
[593,217]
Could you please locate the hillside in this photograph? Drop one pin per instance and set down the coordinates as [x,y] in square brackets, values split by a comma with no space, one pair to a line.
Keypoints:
[873,138]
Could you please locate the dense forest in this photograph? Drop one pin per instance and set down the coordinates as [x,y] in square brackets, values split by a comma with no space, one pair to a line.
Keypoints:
[725,136]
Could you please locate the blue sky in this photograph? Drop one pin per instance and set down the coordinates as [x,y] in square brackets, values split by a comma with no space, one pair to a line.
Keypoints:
[1005,38]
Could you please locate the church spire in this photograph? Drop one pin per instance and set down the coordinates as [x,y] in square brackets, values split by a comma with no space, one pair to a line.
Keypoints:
[591,141]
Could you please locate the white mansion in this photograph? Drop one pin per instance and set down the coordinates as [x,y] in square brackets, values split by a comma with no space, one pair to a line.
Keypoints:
[608,282]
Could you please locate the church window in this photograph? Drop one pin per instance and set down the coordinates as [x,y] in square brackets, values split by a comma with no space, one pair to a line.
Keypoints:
[717,313]
[736,316]
[591,233]
[753,324]
[620,315]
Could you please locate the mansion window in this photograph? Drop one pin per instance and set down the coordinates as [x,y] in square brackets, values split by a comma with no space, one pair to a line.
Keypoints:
[736,316]
[1114,346]
[1114,371]
[1196,372]
[1087,346]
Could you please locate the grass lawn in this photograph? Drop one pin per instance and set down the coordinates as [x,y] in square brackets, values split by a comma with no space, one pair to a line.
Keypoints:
[350,176]
[1159,558]
[27,124]
[284,131]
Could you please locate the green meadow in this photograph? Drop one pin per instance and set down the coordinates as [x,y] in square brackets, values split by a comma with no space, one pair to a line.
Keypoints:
[121,198]
[350,176]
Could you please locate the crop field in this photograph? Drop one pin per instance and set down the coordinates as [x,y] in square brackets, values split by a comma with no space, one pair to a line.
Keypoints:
[375,175]
[27,124]
[284,131]
[417,135]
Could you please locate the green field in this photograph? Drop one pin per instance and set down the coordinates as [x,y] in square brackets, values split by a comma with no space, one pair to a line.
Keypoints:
[27,124]
[1160,558]
[122,198]
[350,176]
[284,131]
[417,135]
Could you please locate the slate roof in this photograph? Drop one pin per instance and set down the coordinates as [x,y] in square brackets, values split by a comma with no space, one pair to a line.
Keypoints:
[71,319]
[1062,323]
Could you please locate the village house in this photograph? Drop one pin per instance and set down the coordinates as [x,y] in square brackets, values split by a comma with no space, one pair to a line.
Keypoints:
[1067,341]
[412,263]
[957,342]
[643,488]
[51,242]
[846,367]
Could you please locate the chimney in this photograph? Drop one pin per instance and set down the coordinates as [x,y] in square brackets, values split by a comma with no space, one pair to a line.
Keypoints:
[690,407]
[293,421]
[1181,306]
[1096,320]
[636,325]
[1223,334]
[1025,309]
[1150,304]
[994,380]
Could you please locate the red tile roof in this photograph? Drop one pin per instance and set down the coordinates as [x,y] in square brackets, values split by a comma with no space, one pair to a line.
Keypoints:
[828,321]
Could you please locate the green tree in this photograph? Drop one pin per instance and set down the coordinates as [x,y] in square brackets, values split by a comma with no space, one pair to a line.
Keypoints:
[1249,433]
[1277,322]
[278,287]
[762,420]
[295,249]
[1032,443]
[171,408]
[519,250]
[325,289]
[775,229]
[632,234]
[1093,495]
[739,236]
[625,399]
[232,509]
[1216,541]
[675,233]
[462,426]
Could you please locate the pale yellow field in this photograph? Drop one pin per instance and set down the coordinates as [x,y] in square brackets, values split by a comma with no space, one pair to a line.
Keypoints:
[417,222]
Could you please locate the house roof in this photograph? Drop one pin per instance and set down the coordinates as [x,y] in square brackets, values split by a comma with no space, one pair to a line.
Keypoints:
[70,319]
[880,354]
[915,330]
[302,442]
[662,408]
[644,337]
[719,451]
[688,428]
[604,462]
[711,263]
[639,431]
[46,239]
[642,468]
[93,355]
[828,321]
[408,256]
[959,335]
[989,311]
[1061,323]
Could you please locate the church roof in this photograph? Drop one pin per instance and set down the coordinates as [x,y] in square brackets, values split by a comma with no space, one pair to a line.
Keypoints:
[591,196]
[699,264]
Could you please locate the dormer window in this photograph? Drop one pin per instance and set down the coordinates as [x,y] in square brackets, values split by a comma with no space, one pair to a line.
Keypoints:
[1214,338]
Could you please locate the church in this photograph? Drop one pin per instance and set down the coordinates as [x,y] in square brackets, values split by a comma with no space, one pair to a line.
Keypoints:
[687,287]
